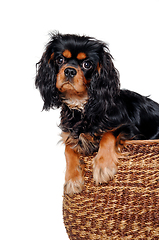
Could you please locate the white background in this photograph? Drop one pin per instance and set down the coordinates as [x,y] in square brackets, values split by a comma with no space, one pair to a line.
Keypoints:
[32,165]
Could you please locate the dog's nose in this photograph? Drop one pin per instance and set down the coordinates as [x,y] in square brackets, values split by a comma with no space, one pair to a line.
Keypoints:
[70,72]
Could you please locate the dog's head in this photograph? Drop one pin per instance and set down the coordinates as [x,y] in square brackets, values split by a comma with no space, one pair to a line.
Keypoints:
[76,70]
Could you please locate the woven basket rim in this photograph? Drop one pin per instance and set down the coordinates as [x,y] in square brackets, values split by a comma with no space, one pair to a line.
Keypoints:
[142,141]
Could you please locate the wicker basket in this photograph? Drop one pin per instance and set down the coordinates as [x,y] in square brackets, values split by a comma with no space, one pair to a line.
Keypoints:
[125,208]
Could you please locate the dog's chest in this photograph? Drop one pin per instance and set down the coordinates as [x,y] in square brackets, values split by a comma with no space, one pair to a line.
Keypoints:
[77,132]
[84,144]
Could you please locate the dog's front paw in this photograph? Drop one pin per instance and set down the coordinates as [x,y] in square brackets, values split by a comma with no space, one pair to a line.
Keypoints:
[104,167]
[74,186]
[74,179]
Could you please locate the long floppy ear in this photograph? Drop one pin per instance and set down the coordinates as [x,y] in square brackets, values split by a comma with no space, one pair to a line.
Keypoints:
[109,76]
[46,80]
[104,87]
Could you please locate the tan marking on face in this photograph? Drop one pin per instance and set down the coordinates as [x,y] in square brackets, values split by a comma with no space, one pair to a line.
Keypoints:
[78,83]
[67,54]
[81,56]
[73,90]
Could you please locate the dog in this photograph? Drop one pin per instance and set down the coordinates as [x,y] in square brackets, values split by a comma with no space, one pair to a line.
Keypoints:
[77,73]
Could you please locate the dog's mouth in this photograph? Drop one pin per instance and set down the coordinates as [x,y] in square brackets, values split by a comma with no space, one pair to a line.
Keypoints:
[68,86]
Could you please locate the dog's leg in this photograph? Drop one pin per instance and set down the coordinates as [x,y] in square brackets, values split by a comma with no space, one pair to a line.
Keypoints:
[73,178]
[105,162]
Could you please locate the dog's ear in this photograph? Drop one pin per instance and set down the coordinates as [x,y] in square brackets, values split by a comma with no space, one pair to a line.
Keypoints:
[46,79]
[104,86]
[109,76]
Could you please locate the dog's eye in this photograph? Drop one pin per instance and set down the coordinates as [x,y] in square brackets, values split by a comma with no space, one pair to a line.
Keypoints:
[60,60]
[87,65]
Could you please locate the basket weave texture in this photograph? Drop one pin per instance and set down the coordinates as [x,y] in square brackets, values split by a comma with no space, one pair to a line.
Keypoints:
[125,208]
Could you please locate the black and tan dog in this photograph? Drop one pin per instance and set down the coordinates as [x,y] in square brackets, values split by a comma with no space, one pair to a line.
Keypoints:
[77,74]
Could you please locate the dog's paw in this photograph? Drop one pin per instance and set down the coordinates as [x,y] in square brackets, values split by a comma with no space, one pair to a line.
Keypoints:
[104,167]
[74,186]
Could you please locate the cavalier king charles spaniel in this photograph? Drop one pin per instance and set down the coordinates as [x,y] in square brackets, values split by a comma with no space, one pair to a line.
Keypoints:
[77,74]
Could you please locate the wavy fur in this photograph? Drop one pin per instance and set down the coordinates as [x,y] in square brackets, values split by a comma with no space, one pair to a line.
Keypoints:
[125,113]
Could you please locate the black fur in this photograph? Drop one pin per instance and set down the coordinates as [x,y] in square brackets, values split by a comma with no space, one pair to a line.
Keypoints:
[108,108]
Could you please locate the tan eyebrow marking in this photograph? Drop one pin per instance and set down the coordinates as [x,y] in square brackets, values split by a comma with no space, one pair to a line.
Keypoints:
[67,54]
[81,56]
